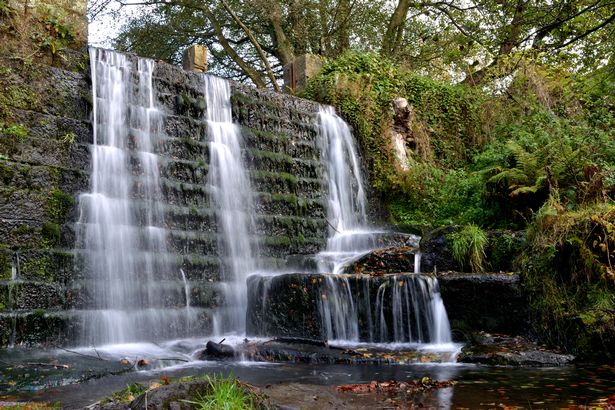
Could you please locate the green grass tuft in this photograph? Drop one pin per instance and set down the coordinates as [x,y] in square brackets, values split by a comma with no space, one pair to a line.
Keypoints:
[224,393]
[468,247]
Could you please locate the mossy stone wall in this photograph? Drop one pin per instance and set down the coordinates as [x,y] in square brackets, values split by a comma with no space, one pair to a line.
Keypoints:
[45,164]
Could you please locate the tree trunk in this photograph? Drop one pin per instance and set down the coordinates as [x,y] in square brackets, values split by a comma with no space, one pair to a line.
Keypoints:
[506,46]
[254,75]
[342,41]
[394,34]
[284,50]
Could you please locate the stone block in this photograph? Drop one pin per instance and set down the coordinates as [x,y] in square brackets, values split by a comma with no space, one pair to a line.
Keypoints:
[195,59]
[298,72]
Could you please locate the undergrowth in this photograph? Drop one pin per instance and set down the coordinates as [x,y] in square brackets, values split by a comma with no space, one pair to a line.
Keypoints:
[570,276]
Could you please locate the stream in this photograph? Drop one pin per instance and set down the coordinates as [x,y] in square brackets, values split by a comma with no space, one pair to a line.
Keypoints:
[476,386]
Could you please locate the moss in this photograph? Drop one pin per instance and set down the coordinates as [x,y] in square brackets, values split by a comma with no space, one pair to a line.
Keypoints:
[277,241]
[18,92]
[40,267]
[51,234]
[58,205]
[39,312]
[23,229]
[270,155]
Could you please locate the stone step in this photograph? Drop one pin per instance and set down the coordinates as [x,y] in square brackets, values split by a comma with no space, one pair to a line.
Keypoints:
[64,328]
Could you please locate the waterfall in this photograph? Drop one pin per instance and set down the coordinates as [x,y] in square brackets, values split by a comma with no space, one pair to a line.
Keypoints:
[130,276]
[346,205]
[231,198]
[406,309]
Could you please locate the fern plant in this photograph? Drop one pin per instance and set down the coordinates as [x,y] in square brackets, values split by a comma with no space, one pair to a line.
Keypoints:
[527,176]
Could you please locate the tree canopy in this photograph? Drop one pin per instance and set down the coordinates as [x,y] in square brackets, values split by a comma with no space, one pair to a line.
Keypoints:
[461,40]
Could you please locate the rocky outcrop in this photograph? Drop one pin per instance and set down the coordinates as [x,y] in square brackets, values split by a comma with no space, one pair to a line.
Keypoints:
[384,261]
[484,301]
[343,306]
[502,350]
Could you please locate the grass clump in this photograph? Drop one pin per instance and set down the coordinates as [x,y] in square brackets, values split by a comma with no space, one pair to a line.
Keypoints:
[18,131]
[468,247]
[223,393]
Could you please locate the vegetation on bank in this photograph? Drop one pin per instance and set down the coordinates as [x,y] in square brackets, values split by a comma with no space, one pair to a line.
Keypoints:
[212,392]
[533,152]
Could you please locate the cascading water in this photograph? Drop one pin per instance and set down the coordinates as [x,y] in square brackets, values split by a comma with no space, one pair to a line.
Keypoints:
[231,198]
[131,278]
[346,202]
[412,306]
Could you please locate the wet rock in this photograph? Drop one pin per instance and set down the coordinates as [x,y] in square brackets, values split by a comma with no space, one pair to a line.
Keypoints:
[384,261]
[493,302]
[318,352]
[285,305]
[217,351]
[503,350]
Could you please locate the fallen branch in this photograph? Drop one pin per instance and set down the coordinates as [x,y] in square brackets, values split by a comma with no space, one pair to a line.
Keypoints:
[331,225]
[82,354]
[174,358]
[56,366]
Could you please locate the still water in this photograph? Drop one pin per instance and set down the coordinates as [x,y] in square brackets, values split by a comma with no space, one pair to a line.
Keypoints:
[22,378]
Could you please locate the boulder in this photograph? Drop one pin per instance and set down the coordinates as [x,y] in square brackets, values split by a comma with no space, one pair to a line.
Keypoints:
[503,350]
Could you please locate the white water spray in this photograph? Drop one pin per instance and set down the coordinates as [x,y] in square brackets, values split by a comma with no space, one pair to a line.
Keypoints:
[231,198]
[121,239]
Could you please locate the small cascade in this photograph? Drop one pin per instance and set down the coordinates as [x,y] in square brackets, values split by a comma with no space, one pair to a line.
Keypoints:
[339,312]
[393,308]
[346,206]
[406,309]
[124,252]
[231,198]
[186,290]
[15,266]
[417,262]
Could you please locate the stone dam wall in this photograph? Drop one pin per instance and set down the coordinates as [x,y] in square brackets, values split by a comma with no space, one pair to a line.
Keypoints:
[45,141]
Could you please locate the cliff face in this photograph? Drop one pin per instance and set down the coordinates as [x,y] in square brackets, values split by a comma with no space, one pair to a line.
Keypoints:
[45,139]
